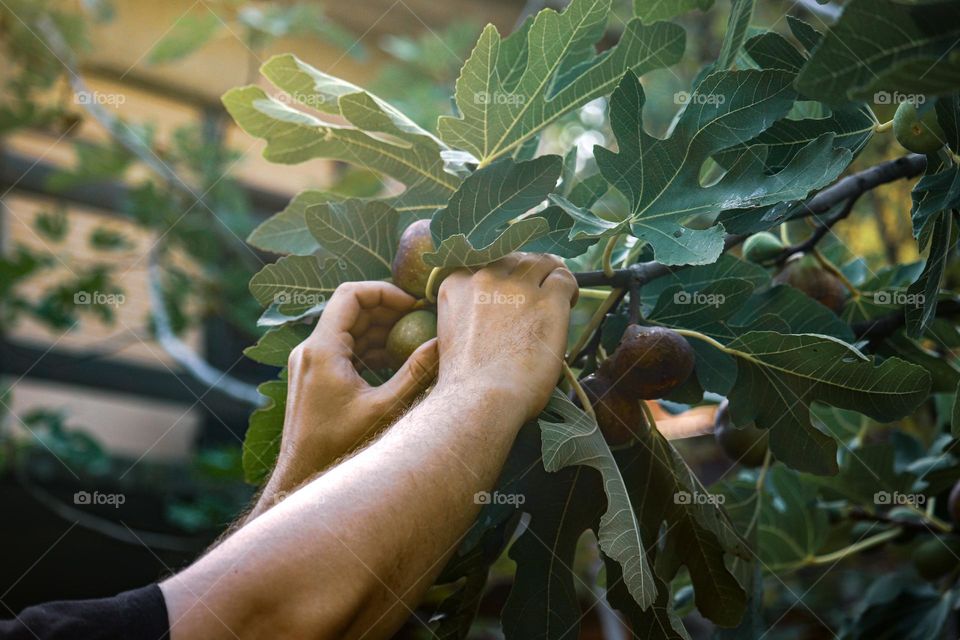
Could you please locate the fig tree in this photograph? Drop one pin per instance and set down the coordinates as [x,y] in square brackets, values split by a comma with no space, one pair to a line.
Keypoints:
[746,445]
[920,134]
[936,557]
[410,331]
[761,247]
[410,272]
[619,417]
[649,362]
[806,274]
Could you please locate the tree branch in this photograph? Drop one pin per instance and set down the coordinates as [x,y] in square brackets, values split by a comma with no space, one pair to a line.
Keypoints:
[877,329]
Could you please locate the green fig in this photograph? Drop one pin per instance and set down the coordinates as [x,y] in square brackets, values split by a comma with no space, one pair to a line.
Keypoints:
[410,331]
[936,557]
[920,134]
[410,272]
[762,247]
[806,274]
[649,362]
[745,445]
[620,418]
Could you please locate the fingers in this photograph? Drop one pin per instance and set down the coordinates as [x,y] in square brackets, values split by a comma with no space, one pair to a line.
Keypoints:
[353,308]
[563,283]
[412,379]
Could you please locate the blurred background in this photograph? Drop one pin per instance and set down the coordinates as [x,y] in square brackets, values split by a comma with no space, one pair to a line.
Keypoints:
[126,194]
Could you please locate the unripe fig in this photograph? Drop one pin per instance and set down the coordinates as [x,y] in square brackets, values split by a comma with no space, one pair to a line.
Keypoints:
[410,331]
[649,362]
[761,247]
[746,445]
[620,418]
[918,134]
[410,272]
[936,557]
[806,274]
[953,504]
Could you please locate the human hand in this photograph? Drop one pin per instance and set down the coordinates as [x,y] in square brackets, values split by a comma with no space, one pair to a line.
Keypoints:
[330,408]
[504,328]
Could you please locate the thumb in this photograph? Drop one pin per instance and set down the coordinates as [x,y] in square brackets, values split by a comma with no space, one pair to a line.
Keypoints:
[412,379]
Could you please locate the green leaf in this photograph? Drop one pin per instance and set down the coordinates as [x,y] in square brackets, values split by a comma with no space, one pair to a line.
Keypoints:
[275,345]
[778,376]
[475,227]
[659,621]
[187,34]
[694,279]
[261,446]
[666,9]
[661,177]
[948,115]
[286,232]
[400,149]
[299,283]
[510,89]
[921,301]
[741,12]
[896,607]
[570,438]
[362,234]
[880,47]
[934,193]
[955,418]
[791,528]
[866,472]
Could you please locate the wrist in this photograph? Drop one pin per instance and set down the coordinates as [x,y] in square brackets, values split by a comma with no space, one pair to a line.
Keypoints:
[509,404]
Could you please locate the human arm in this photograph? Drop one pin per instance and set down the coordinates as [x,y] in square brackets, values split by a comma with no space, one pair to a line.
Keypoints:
[351,553]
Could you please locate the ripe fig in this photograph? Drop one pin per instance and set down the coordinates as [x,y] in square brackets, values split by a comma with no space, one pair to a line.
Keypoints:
[761,247]
[746,445]
[410,331]
[410,272]
[620,418]
[920,134]
[649,362]
[806,274]
[936,557]
[953,504]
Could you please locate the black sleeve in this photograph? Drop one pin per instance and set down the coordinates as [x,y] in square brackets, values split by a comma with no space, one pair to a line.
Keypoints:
[131,615]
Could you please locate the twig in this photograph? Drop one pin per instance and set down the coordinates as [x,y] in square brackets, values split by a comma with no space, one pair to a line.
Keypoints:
[877,329]
[818,234]
[184,355]
[594,324]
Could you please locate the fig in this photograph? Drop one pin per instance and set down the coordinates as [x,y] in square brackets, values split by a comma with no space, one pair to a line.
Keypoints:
[806,274]
[920,134]
[620,418]
[745,445]
[649,362]
[410,272]
[936,557]
[762,247]
[409,332]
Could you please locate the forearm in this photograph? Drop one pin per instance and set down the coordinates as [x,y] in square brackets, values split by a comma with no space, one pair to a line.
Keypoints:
[370,535]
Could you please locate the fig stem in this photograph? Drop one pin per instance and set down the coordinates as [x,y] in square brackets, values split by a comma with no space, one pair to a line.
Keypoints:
[832,268]
[431,281]
[856,547]
[594,322]
[761,477]
[578,389]
[884,127]
[594,294]
[608,255]
[649,415]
